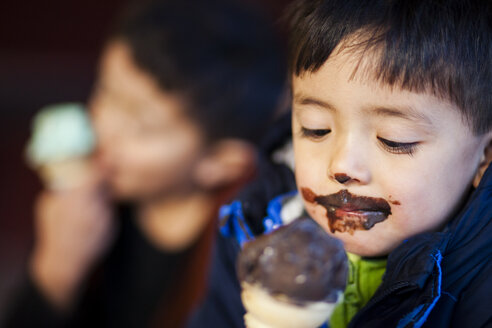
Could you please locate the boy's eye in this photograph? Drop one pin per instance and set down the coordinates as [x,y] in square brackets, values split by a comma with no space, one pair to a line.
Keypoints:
[398,147]
[314,133]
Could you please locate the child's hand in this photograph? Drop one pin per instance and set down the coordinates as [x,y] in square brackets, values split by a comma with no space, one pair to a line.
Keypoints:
[73,230]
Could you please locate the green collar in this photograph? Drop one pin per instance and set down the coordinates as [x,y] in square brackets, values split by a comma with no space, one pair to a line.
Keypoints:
[365,276]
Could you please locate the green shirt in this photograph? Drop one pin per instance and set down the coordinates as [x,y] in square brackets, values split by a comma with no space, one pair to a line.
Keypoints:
[365,276]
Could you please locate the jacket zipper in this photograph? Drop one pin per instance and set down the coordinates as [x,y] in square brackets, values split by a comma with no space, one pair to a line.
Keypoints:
[373,300]
[388,291]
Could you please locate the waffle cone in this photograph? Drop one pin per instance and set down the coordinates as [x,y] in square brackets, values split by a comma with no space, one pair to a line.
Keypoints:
[66,174]
[266,311]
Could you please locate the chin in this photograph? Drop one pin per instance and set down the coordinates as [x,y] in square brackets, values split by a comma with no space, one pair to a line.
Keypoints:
[121,195]
[139,194]
[365,244]
[375,242]
[121,191]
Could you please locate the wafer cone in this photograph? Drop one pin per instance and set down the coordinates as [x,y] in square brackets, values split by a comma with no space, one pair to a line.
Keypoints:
[67,174]
[266,311]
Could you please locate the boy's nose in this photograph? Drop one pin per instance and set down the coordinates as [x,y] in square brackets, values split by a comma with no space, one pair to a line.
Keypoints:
[107,126]
[342,177]
[348,164]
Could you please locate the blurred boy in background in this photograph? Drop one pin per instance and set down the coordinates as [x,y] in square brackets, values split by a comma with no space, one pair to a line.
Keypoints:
[185,89]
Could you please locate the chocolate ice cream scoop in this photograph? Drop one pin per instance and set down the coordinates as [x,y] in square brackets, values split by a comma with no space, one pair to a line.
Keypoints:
[299,260]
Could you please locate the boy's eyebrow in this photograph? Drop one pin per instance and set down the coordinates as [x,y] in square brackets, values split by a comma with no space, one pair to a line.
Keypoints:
[302,99]
[406,112]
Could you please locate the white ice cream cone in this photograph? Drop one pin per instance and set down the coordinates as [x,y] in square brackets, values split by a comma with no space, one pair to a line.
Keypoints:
[65,175]
[266,311]
[60,145]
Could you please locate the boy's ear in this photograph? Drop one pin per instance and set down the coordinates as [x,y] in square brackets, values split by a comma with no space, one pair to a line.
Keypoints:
[227,162]
[484,162]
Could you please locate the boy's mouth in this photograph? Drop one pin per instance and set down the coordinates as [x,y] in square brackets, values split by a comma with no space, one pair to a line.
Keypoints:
[347,212]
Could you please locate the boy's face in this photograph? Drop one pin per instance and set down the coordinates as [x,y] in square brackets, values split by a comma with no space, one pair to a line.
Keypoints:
[146,144]
[412,154]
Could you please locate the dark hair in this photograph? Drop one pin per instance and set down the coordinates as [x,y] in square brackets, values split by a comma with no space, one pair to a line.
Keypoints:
[441,46]
[223,59]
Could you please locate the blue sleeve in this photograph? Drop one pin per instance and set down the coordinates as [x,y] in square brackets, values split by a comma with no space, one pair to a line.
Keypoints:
[474,307]
[222,306]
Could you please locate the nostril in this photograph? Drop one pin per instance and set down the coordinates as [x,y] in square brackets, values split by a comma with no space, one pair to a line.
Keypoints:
[342,177]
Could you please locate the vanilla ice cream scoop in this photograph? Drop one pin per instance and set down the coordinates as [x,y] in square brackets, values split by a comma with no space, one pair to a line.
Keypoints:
[292,277]
[61,141]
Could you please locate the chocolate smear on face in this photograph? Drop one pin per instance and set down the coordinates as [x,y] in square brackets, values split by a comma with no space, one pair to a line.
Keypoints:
[394,202]
[347,212]
[299,260]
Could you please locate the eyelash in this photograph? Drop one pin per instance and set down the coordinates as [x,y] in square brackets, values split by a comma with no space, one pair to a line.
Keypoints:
[314,133]
[394,147]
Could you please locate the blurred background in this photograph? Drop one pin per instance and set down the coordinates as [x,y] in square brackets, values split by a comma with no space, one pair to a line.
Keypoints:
[48,53]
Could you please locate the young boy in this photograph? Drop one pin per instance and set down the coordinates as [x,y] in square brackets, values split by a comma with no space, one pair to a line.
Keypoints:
[391,124]
[185,89]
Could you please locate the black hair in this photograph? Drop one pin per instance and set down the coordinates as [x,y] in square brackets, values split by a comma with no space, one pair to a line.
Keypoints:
[441,46]
[221,56]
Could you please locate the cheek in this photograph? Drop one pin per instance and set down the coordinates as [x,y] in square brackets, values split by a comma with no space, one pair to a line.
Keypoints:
[159,159]
[414,207]
[318,214]
[147,167]
[428,195]
[310,166]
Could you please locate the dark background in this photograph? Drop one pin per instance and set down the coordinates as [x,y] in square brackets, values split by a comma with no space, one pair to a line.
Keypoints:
[48,53]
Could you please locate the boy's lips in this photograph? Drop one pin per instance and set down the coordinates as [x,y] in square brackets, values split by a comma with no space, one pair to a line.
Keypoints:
[347,212]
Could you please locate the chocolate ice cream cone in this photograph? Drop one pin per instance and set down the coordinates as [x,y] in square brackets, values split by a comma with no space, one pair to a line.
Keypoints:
[292,277]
